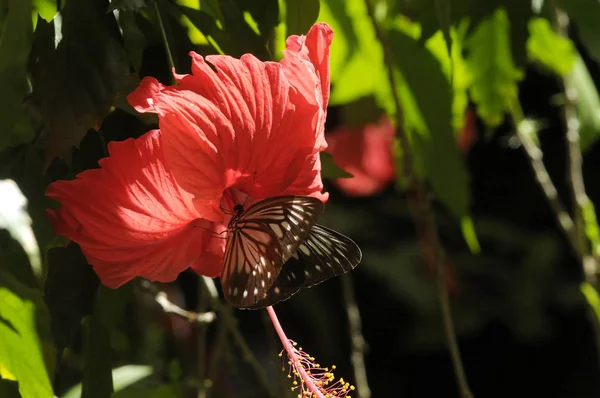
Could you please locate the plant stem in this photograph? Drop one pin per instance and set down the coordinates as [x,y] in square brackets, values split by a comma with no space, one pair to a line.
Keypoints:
[201,342]
[358,341]
[422,212]
[575,164]
[292,354]
[526,133]
[164,36]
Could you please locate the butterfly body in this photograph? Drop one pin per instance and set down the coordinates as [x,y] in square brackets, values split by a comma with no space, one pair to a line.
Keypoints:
[275,247]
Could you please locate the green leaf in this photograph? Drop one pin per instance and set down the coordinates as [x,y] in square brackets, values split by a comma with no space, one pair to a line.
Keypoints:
[587,104]
[432,16]
[126,5]
[46,8]
[133,38]
[548,48]
[15,44]
[235,38]
[468,230]
[444,9]
[592,297]
[455,70]
[23,323]
[357,68]
[166,391]
[76,80]
[263,13]
[300,15]
[331,170]
[9,388]
[425,90]
[123,377]
[210,8]
[69,291]
[97,374]
[14,217]
[128,375]
[360,112]
[585,14]
[493,73]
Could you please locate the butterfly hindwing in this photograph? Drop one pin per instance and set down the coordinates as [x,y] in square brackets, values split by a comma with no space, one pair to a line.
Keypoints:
[324,254]
[261,239]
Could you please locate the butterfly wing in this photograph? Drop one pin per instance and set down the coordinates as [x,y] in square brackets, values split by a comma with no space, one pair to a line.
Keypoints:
[260,241]
[324,254]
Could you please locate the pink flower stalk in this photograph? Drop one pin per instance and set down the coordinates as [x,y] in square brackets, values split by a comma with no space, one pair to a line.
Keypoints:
[315,381]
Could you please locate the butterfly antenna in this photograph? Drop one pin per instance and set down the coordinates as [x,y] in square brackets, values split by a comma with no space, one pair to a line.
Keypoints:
[221,206]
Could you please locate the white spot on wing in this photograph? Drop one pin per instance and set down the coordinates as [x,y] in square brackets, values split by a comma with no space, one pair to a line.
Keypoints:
[277,229]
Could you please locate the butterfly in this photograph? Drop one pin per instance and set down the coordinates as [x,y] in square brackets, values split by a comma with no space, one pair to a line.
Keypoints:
[275,248]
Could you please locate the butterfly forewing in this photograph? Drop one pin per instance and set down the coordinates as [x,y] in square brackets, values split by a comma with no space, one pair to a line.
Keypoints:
[324,254]
[261,239]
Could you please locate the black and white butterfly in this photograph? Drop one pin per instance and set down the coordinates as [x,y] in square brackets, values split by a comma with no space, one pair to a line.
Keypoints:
[274,248]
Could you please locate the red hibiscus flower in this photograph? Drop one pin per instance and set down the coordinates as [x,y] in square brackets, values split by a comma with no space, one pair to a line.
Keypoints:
[233,131]
[366,153]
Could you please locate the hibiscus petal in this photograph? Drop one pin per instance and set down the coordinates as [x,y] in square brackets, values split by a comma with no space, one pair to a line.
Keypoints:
[306,66]
[239,125]
[306,62]
[132,219]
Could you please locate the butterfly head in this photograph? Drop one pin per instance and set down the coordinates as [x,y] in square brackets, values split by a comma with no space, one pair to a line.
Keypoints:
[238,209]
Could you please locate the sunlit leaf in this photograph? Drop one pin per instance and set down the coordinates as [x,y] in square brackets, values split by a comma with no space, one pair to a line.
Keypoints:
[468,230]
[357,68]
[548,48]
[46,8]
[80,64]
[587,104]
[331,170]
[23,320]
[300,15]
[461,80]
[592,297]
[493,73]
[444,14]
[14,217]
[431,101]
[166,391]
[209,7]
[123,377]
[434,15]
[15,44]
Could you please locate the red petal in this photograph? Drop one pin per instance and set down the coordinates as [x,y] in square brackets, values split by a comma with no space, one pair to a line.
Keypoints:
[131,218]
[366,153]
[240,126]
[141,98]
[306,66]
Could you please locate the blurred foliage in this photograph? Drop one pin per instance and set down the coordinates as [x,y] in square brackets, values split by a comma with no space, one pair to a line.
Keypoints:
[67,66]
